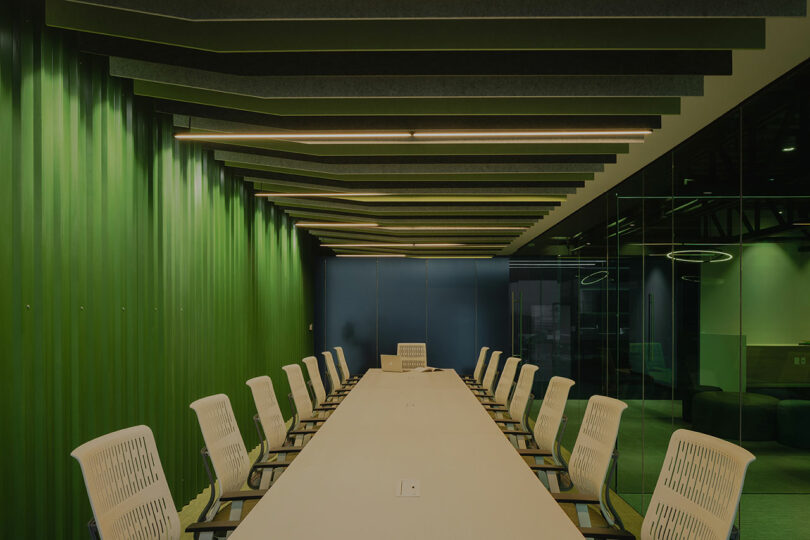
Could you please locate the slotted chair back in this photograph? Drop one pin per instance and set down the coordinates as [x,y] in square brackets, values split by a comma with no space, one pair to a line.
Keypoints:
[223,441]
[492,370]
[479,364]
[128,491]
[331,370]
[298,387]
[523,390]
[270,416]
[698,489]
[547,424]
[506,381]
[413,355]
[596,440]
[315,377]
[344,367]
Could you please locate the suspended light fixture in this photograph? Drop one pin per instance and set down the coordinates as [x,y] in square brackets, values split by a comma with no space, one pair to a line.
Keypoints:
[699,256]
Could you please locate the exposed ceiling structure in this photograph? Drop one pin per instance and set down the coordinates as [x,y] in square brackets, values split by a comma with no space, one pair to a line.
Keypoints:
[443,128]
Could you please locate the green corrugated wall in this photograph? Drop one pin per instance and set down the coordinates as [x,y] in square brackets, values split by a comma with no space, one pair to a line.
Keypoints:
[136,275]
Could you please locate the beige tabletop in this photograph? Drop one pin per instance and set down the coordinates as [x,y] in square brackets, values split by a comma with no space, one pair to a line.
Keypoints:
[426,427]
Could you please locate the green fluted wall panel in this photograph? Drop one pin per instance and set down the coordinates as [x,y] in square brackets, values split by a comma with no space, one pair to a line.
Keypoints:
[137,276]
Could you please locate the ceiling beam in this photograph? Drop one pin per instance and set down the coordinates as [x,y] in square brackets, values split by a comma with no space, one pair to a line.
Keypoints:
[407,9]
[494,188]
[410,86]
[363,63]
[225,119]
[418,34]
[420,209]
[407,170]
[416,106]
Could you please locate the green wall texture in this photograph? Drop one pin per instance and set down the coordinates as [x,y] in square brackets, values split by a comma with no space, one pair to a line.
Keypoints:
[136,276]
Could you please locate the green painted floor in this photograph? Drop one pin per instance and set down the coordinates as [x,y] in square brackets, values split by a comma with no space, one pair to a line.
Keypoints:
[777,487]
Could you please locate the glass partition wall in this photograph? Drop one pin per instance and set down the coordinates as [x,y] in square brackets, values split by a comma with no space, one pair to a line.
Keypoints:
[685,292]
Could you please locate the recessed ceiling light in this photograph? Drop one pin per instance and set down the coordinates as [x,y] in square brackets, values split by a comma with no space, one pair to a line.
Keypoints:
[358,194]
[329,224]
[371,255]
[451,228]
[416,245]
[416,135]
[788,148]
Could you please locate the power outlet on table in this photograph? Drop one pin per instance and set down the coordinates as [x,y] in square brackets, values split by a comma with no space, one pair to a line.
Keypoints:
[408,488]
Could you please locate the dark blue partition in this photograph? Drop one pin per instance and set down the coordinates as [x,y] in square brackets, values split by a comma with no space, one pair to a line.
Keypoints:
[492,310]
[454,305]
[401,300]
[350,310]
[451,302]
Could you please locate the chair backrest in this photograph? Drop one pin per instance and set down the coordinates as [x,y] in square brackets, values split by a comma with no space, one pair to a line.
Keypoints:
[315,377]
[698,489]
[523,390]
[344,367]
[492,370]
[413,355]
[298,387]
[479,364]
[593,451]
[331,370]
[504,387]
[128,491]
[273,425]
[223,441]
[547,424]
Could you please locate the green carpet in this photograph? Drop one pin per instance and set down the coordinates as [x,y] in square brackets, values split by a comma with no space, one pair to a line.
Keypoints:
[777,486]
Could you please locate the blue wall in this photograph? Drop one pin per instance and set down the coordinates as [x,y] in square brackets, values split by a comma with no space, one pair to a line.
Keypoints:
[456,306]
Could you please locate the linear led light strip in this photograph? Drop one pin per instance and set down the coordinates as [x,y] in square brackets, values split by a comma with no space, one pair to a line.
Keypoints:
[331,224]
[402,255]
[345,194]
[320,135]
[452,228]
[397,244]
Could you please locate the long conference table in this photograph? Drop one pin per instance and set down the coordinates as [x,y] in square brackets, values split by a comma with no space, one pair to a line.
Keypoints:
[426,430]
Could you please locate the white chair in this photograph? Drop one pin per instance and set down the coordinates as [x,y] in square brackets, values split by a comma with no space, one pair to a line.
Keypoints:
[316,383]
[413,355]
[550,423]
[593,461]
[505,383]
[479,367]
[519,406]
[302,403]
[128,492]
[489,375]
[225,449]
[334,377]
[269,421]
[697,493]
[345,375]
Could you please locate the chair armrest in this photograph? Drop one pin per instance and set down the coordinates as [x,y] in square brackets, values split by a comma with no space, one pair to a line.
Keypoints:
[605,533]
[282,449]
[576,498]
[271,464]
[532,452]
[245,495]
[515,432]
[546,467]
[209,526]
[304,431]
